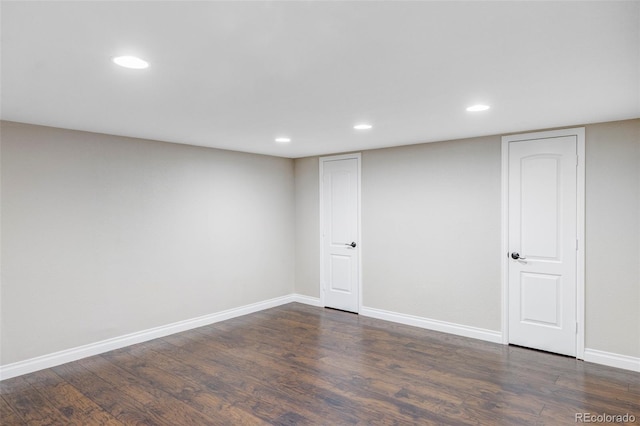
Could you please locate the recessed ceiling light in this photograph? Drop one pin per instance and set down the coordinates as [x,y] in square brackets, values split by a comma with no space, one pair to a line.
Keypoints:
[478,107]
[131,62]
[362,126]
[283,140]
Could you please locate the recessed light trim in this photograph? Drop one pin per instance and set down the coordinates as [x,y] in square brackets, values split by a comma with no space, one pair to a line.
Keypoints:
[362,126]
[478,107]
[132,62]
[283,140]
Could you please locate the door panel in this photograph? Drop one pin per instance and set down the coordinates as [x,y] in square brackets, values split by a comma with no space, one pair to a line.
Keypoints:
[340,230]
[542,231]
[539,206]
[340,279]
[540,301]
[340,226]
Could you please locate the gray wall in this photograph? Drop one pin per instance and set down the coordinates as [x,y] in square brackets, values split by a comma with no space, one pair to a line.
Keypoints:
[307,202]
[104,236]
[613,237]
[431,232]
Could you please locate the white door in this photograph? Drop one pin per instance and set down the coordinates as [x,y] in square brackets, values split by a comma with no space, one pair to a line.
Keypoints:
[542,243]
[339,205]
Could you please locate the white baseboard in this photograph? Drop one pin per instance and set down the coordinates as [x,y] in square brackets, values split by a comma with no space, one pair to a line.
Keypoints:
[436,325]
[307,300]
[51,360]
[612,359]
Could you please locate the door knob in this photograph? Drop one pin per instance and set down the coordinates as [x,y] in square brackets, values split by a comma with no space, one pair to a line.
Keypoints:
[353,244]
[515,255]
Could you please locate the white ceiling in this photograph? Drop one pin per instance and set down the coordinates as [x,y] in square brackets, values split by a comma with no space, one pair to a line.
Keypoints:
[235,75]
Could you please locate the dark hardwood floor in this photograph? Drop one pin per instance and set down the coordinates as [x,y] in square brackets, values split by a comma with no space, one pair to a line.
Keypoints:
[297,365]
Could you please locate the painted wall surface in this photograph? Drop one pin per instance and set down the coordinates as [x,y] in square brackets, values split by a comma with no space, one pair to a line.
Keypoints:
[307,201]
[430,230]
[431,233]
[612,218]
[104,236]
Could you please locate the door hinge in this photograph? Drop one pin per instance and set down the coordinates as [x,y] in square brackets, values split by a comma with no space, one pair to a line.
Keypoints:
[577,160]
[576,328]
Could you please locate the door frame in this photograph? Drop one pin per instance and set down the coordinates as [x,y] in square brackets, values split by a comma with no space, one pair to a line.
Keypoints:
[357,156]
[579,132]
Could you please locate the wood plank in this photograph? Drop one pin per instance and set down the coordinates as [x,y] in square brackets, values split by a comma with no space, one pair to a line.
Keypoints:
[361,370]
[32,407]
[597,388]
[127,410]
[8,416]
[330,380]
[225,378]
[155,395]
[178,390]
[74,405]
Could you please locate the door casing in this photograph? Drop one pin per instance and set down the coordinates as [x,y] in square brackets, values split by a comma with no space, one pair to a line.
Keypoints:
[322,161]
[579,132]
